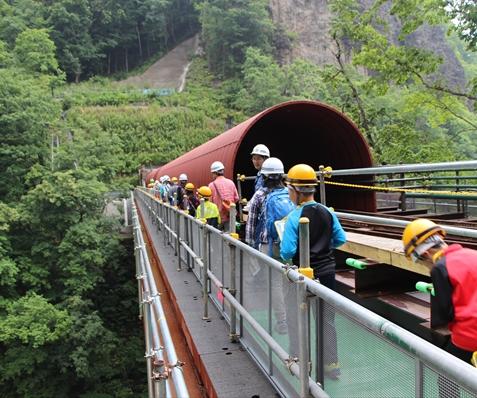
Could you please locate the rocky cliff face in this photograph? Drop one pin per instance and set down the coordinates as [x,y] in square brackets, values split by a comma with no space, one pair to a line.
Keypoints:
[310,20]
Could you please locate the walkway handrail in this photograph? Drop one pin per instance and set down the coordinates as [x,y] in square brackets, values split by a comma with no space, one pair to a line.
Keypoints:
[466,232]
[423,352]
[161,368]
[408,168]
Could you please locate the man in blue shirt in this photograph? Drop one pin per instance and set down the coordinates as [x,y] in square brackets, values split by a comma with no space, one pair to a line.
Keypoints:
[326,234]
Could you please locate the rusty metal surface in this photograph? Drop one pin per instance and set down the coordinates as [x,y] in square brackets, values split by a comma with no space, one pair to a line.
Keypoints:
[296,132]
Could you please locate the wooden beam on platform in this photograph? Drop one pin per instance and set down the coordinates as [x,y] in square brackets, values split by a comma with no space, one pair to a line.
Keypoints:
[382,250]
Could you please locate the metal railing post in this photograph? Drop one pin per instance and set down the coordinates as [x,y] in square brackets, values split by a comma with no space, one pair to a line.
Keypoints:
[232,289]
[177,249]
[321,170]
[419,376]
[303,353]
[304,245]
[205,276]
[239,191]
[125,209]
[187,234]
[319,341]
[147,337]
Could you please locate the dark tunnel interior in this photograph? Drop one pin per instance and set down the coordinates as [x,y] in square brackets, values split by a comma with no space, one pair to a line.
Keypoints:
[315,135]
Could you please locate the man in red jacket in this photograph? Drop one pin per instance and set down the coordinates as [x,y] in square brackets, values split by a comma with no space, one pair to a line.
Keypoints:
[453,271]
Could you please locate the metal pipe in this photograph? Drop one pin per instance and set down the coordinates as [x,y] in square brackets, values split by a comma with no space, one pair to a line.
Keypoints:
[462,373]
[193,255]
[148,355]
[205,269]
[302,306]
[239,191]
[408,168]
[232,219]
[321,177]
[233,291]
[178,236]
[187,241]
[153,297]
[177,374]
[315,390]
[470,233]
[125,209]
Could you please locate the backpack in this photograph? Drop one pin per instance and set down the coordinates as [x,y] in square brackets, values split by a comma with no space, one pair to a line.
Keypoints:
[276,206]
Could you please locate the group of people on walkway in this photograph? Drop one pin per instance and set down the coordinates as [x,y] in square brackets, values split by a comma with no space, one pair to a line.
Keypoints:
[279,202]
[278,198]
[218,195]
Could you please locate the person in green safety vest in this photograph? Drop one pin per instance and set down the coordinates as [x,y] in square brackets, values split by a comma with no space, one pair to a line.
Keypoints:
[211,211]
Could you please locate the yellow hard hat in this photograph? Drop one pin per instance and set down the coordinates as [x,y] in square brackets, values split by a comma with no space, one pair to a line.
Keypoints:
[204,191]
[189,186]
[301,175]
[417,231]
[174,179]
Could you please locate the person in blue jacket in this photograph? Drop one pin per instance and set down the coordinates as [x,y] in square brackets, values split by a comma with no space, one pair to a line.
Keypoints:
[326,234]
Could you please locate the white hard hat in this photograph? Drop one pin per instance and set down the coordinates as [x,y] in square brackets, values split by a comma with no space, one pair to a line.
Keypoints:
[272,166]
[216,166]
[261,150]
[166,178]
[183,177]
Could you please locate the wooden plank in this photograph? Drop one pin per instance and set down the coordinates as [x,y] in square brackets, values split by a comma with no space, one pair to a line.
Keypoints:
[382,250]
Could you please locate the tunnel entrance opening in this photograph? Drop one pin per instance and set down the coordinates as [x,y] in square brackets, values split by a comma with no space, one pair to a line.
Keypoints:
[315,134]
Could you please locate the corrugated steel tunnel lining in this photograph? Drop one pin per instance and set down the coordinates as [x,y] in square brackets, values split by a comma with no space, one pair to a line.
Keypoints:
[296,132]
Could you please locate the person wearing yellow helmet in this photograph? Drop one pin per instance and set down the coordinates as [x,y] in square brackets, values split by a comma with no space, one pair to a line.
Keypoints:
[191,201]
[326,234]
[211,211]
[453,271]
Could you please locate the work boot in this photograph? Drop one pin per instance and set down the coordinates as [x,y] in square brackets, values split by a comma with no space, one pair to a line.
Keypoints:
[332,371]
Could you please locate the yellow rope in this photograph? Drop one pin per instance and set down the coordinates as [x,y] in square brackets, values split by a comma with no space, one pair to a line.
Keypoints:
[390,189]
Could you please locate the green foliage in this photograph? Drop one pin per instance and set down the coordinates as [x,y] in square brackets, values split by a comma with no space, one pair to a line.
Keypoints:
[33,321]
[465,14]
[147,135]
[229,28]
[26,112]
[35,51]
[262,83]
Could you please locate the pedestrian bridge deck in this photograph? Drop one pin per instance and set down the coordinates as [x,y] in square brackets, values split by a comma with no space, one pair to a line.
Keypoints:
[377,358]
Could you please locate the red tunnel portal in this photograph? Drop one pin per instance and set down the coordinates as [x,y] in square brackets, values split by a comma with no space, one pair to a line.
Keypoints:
[296,132]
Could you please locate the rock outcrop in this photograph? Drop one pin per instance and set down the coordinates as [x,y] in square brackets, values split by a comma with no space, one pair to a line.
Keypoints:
[310,21]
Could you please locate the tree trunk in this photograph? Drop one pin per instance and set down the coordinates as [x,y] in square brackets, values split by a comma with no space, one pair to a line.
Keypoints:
[77,77]
[109,63]
[126,60]
[115,62]
[139,40]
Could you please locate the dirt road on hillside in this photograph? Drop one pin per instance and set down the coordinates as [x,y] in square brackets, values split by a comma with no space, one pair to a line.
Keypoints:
[170,71]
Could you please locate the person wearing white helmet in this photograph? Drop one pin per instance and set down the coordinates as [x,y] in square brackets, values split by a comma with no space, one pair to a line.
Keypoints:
[259,154]
[270,203]
[166,185]
[224,192]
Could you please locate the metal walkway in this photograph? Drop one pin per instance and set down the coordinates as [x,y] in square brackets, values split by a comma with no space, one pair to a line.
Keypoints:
[376,357]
